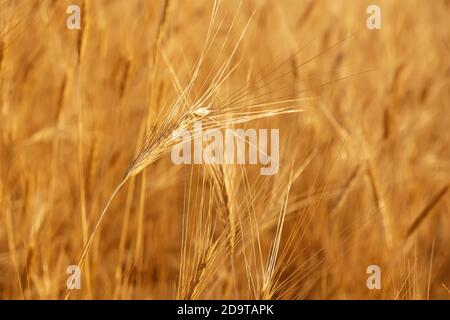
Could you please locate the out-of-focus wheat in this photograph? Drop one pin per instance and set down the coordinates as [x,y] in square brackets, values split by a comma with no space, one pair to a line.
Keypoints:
[364,137]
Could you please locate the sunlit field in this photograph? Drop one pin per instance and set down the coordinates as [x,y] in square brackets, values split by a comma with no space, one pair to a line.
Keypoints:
[350,199]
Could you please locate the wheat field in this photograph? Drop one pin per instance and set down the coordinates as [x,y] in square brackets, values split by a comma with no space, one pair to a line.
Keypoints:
[86,177]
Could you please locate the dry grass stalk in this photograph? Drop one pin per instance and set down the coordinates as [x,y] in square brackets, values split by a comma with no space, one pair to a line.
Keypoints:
[426,211]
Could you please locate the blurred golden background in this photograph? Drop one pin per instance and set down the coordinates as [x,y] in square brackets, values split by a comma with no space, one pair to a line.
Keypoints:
[364,168]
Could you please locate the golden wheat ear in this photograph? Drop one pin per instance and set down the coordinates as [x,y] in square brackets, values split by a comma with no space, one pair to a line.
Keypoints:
[181,116]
